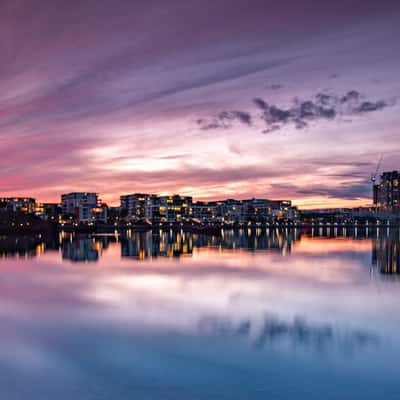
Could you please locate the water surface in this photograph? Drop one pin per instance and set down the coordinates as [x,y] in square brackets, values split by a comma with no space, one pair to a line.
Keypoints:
[275,314]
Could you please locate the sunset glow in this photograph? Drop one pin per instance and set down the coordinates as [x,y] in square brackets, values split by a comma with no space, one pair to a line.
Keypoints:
[117,97]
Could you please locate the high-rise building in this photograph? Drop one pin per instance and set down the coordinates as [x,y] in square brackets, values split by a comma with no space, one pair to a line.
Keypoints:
[387,192]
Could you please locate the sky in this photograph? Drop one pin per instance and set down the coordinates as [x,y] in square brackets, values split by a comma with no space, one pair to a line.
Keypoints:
[213,99]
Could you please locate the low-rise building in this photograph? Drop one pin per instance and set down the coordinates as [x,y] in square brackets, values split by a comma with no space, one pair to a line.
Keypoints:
[100,213]
[284,210]
[80,206]
[206,211]
[137,206]
[23,204]
[48,211]
[173,208]
[156,208]
[232,211]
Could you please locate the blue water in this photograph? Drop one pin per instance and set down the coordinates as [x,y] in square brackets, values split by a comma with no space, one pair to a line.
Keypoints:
[249,315]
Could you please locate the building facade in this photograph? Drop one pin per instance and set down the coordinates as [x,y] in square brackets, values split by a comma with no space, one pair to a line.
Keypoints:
[181,209]
[156,208]
[173,208]
[386,194]
[48,211]
[137,206]
[23,204]
[80,206]
[206,211]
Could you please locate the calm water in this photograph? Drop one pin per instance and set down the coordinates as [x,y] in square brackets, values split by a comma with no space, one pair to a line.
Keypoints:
[249,315]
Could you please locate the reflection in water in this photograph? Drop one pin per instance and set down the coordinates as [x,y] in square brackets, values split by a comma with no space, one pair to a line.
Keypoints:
[26,246]
[142,245]
[254,314]
[386,253]
[297,333]
[175,244]
[80,249]
[165,244]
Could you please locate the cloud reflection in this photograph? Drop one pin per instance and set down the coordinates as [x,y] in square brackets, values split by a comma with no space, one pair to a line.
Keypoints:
[297,333]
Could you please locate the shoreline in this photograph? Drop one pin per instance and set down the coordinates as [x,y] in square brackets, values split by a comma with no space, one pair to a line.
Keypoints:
[47,228]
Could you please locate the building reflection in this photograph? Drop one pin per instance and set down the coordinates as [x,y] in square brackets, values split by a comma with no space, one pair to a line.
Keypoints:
[79,249]
[83,248]
[163,244]
[150,244]
[386,253]
[24,246]
[176,244]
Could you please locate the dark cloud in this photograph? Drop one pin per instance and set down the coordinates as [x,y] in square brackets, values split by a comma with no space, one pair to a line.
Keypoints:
[225,119]
[323,106]
[355,189]
[261,103]
[347,190]
[300,113]
[243,117]
[367,106]
[275,86]
[352,95]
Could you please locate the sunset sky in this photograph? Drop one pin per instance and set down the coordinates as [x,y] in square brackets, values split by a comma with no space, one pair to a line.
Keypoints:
[214,99]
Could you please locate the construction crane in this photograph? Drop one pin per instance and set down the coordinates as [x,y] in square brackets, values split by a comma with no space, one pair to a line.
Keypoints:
[373,180]
[375,174]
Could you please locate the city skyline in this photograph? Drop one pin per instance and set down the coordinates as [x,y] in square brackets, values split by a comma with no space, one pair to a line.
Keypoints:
[211,100]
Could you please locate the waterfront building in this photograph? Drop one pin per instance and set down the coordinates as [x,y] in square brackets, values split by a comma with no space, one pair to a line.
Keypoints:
[206,211]
[48,211]
[233,211]
[80,206]
[386,194]
[257,210]
[137,206]
[173,208]
[113,214]
[23,204]
[284,210]
[100,213]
